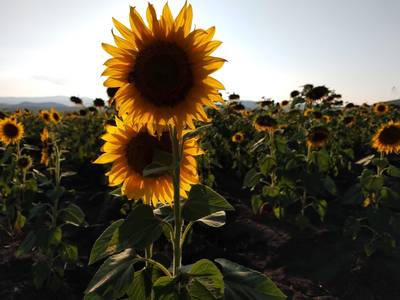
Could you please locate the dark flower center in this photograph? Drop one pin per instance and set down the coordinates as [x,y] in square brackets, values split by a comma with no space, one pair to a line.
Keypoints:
[24,162]
[46,117]
[56,117]
[162,74]
[10,130]
[141,149]
[348,120]
[381,108]
[390,135]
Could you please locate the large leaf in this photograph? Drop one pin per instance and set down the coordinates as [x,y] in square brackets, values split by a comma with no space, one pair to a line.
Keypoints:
[206,281]
[203,201]
[141,228]
[242,283]
[107,243]
[74,215]
[112,278]
[165,289]
[140,288]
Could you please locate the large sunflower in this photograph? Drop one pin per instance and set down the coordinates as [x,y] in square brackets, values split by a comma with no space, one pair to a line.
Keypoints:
[45,115]
[131,150]
[11,132]
[162,70]
[387,138]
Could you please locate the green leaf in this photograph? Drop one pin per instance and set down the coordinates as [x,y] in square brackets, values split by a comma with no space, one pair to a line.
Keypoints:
[27,244]
[107,243]
[140,289]
[113,269]
[322,160]
[206,281]
[73,215]
[55,236]
[20,221]
[251,178]
[141,228]
[69,252]
[366,160]
[279,212]
[165,289]
[267,164]
[330,185]
[393,171]
[196,132]
[41,272]
[242,283]
[216,219]
[203,201]
[271,191]
[321,207]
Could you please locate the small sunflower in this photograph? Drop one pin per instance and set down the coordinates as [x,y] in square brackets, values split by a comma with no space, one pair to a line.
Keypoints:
[55,116]
[317,137]
[348,121]
[308,112]
[238,137]
[131,150]
[11,132]
[98,102]
[285,103]
[326,118]
[24,162]
[387,138]
[45,156]
[45,115]
[44,135]
[239,107]
[163,70]
[265,123]
[265,103]
[381,108]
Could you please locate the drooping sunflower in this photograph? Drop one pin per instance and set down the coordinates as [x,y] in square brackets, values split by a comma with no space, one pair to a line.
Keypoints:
[265,103]
[265,123]
[163,70]
[55,116]
[11,132]
[24,162]
[387,138]
[381,108]
[45,115]
[238,137]
[131,149]
[317,137]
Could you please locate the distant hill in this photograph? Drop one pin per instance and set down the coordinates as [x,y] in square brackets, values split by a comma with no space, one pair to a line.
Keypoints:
[395,102]
[40,101]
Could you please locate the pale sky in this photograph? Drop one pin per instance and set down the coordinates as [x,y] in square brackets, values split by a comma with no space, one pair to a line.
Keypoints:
[53,47]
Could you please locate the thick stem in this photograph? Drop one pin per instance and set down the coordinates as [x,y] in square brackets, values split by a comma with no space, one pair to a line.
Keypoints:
[177,261]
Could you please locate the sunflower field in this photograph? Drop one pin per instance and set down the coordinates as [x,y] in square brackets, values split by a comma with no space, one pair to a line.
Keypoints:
[168,191]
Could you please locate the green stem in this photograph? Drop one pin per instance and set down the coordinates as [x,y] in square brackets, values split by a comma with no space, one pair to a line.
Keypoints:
[185,233]
[57,177]
[177,259]
[155,263]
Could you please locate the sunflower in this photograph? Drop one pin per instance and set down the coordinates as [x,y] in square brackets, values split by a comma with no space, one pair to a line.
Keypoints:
[162,70]
[317,137]
[387,138]
[349,121]
[98,102]
[11,132]
[239,107]
[265,103]
[131,150]
[238,137]
[381,108]
[308,112]
[44,135]
[44,156]
[265,123]
[55,116]
[45,115]
[326,118]
[24,162]
[285,103]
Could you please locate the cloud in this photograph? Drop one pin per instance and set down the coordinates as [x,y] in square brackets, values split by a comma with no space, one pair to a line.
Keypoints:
[53,80]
